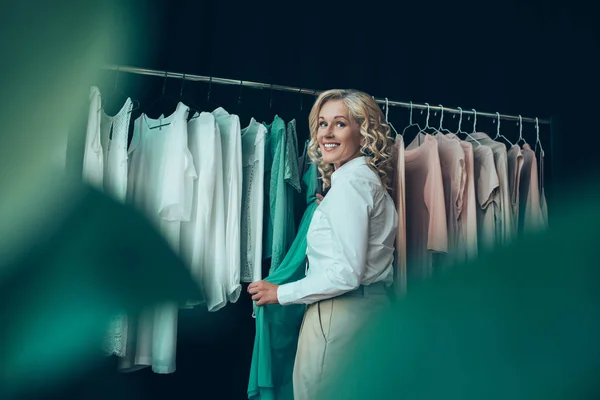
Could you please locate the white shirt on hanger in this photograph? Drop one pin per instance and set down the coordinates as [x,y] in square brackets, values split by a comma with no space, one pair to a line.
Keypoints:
[253,161]
[350,241]
[161,175]
[203,237]
[231,140]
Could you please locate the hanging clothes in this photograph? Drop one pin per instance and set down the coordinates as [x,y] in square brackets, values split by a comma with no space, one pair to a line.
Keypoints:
[543,203]
[467,227]
[281,171]
[504,225]
[278,327]
[515,165]
[531,216]
[253,164]
[426,229]
[454,178]
[203,245]
[160,184]
[486,191]
[105,168]
[231,140]
[399,197]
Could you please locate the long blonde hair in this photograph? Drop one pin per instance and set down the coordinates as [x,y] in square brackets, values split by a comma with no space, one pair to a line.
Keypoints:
[378,146]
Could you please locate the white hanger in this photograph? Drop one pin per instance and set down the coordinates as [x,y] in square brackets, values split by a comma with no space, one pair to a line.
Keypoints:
[537,138]
[441,128]
[387,108]
[424,130]
[460,124]
[521,131]
[498,135]
[410,121]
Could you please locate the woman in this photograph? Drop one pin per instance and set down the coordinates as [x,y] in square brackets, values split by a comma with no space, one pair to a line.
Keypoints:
[350,242]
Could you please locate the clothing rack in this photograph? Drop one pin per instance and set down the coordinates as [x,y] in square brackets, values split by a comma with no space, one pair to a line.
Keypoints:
[282,88]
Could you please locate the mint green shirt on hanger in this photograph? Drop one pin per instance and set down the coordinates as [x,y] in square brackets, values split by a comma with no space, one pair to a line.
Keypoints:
[278,327]
[281,180]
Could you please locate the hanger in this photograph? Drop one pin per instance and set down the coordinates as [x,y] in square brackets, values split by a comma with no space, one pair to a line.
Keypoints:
[424,130]
[460,125]
[270,96]
[521,138]
[163,96]
[387,108]
[186,101]
[441,128]
[410,121]
[240,95]
[117,90]
[537,138]
[300,94]
[498,135]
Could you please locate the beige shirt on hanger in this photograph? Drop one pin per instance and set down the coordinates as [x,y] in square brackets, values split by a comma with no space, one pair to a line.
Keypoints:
[426,229]
[399,196]
[486,191]
[467,219]
[515,164]
[452,161]
[531,218]
[504,225]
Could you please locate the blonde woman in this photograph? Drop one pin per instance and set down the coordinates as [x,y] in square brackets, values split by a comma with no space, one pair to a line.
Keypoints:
[350,242]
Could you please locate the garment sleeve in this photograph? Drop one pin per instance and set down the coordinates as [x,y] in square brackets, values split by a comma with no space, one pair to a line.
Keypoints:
[347,208]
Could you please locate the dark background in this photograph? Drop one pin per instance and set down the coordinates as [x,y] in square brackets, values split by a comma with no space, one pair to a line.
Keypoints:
[534,58]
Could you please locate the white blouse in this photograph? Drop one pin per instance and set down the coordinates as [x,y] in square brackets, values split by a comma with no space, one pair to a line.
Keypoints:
[350,241]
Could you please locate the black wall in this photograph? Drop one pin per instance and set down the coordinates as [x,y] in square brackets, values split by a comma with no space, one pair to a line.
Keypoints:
[534,58]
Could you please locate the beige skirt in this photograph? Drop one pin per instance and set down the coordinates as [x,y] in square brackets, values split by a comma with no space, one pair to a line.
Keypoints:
[328,330]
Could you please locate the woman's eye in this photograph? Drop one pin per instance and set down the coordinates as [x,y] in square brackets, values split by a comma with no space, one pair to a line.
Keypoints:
[323,124]
[341,124]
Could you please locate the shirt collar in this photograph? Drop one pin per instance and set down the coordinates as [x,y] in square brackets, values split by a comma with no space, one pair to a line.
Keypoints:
[348,167]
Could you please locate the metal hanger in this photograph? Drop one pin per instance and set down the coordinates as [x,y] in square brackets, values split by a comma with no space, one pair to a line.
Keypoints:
[163,96]
[300,94]
[460,125]
[410,121]
[441,128]
[387,108]
[498,135]
[424,130]
[537,138]
[240,95]
[270,96]
[193,108]
[117,90]
[521,138]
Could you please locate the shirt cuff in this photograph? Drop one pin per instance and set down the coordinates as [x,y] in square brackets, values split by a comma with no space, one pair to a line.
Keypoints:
[286,295]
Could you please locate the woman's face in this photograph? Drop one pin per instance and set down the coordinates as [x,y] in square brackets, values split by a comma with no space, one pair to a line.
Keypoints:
[339,138]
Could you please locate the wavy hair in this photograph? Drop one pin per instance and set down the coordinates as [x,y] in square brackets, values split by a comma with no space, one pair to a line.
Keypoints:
[378,147]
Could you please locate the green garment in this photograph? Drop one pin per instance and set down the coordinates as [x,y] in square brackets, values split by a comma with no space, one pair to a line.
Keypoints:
[281,180]
[520,323]
[278,327]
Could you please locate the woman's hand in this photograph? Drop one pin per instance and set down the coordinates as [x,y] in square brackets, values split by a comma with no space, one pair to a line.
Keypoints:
[319,198]
[263,292]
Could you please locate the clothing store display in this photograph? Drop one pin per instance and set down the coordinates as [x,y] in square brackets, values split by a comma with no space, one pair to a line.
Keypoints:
[203,236]
[426,228]
[359,250]
[531,218]
[253,164]
[278,327]
[504,226]
[487,192]
[229,127]
[399,196]
[515,164]
[161,177]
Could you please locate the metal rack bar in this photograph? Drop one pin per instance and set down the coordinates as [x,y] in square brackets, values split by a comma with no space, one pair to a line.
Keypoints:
[282,88]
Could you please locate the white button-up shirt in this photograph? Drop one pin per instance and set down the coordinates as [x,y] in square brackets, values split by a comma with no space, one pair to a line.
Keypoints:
[350,241]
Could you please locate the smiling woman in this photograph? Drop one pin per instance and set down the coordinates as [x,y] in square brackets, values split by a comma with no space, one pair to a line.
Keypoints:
[350,241]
